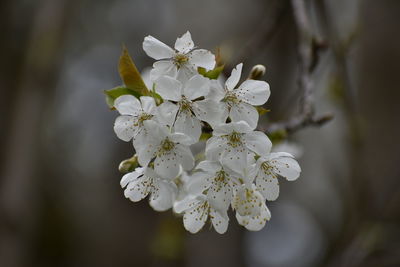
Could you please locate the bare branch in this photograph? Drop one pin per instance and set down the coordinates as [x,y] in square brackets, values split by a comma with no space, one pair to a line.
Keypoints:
[308,50]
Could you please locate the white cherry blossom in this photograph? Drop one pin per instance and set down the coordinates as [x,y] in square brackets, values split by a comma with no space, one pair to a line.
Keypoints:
[143,182]
[184,110]
[169,150]
[232,142]
[235,167]
[270,167]
[215,181]
[197,209]
[238,102]
[133,114]
[181,62]
[251,210]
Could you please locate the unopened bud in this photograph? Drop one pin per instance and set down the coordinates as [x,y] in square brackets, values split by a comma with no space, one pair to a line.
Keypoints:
[257,72]
[128,165]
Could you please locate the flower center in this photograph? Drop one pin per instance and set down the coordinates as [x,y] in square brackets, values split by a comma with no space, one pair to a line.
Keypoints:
[185,105]
[180,59]
[221,179]
[231,98]
[268,169]
[234,139]
[167,145]
[143,117]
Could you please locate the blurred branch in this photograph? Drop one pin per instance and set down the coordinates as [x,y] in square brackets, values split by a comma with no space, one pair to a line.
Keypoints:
[265,30]
[308,57]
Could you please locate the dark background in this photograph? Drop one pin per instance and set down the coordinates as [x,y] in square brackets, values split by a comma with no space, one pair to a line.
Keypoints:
[60,199]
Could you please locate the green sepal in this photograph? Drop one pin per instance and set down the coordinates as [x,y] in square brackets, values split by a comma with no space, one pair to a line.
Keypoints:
[211,74]
[115,92]
[262,111]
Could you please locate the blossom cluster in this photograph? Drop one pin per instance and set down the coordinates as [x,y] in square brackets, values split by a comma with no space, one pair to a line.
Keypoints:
[236,167]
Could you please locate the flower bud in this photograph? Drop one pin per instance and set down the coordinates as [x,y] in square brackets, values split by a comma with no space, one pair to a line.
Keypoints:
[257,72]
[128,165]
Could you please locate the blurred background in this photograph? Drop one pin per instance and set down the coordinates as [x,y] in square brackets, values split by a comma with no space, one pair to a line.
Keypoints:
[60,199]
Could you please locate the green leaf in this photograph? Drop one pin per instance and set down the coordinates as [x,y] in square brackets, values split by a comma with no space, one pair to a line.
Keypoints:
[211,74]
[262,110]
[115,92]
[130,74]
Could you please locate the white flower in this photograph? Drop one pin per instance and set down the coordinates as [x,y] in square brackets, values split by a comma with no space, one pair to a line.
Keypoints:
[186,114]
[231,143]
[169,150]
[251,210]
[217,182]
[133,114]
[181,62]
[270,167]
[143,182]
[197,209]
[238,102]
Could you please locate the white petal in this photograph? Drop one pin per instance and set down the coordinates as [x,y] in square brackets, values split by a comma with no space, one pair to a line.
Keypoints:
[156,130]
[247,173]
[209,166]
[169,88]
[163,195]
[124,127]
[145,148]
[198,182]
[187,203]
[127,105]
[185,156]
[254,92]
[189,125]
[244,112]
[233,80]
[258,142]
[196,87]
[219,220]
[166,113]
[138,189]
[146,144]
[217,91]
[194,219]
[248,201]
[220,195]
[286,167]
[129,177]
[267,185]
[157,49]
[148,104]
[255,223]
[202,58]
[214,148]
[163,68]
[167,165]
[227,128]
[181,138]
[235,158]
[185,43]
[185,72]
[210,111]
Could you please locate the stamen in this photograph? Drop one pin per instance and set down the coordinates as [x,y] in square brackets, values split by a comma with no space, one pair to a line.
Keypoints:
[180,59]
